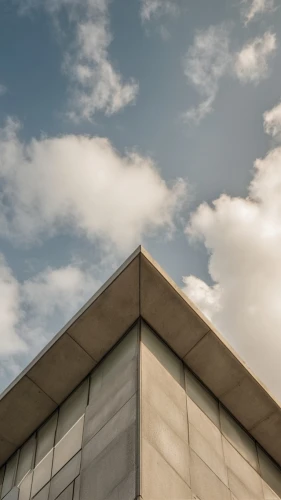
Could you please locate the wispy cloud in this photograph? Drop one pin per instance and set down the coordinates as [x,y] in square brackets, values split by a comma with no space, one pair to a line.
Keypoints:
[251,63]
[96,85]
[3,89]
[252,8]
[272,121]
[243,239]
[207,60]
[153,9]
[210,58]
[81,185]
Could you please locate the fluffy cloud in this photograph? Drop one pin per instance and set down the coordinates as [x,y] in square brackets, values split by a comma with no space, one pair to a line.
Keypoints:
[272,121]
[251,64]
[81,184]
[209,59]
[32,311]
[251,8]
[243,239]
[151,9]
[95,84]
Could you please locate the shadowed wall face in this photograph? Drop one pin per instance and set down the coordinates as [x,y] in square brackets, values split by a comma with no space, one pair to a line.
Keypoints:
[87,448]
[140,426]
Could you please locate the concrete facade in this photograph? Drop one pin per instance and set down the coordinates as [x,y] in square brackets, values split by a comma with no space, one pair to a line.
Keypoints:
[140,426]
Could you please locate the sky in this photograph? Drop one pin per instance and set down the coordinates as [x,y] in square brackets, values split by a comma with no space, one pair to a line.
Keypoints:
[153,122]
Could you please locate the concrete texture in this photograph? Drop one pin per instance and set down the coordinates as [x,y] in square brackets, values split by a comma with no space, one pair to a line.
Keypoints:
[123,419]
[239,439]
[139,287]
[202,397]
[108,310]
[65,476]
[159,480]
[13,494]
[26,459]
[10,474]
[72,410]
[204,483]
[178,322]
[110,467]
[150,430]
[52,373]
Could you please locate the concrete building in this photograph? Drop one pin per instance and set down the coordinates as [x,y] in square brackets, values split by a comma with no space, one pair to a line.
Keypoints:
[138,397]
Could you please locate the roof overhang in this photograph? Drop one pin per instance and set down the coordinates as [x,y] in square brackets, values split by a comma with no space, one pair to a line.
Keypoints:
[138,288]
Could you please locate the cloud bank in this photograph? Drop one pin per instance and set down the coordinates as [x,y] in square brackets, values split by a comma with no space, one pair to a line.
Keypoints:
[243,239]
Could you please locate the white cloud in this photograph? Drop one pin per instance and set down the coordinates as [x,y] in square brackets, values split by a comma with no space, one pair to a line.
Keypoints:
[243,239]
[251,8]
[251,64]
[207,60]
[32,311]
[151,9]
[272,121]
[3,89]
[95,84]
[81,185]
[210,58]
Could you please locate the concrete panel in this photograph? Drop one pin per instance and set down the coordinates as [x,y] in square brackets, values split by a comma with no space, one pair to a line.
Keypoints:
[254,403]
[110,467]
[159,435]
[205,426]
[165,356]
[162,390]
[159,480]
[26,459]
[42,473]
[46,438]
[215,365]
[27,404]
[123,419]
[246,476]
[241,490]
[72,409]
[65,476]
[117,305]
[204,483]
[43,494]
[13,494]
[2,471]
[6,450]
[270,472]
[67,494]
[112,396]
[68,446]
[10,474]
[202,397]
[52,372]
[167,310]
[208,454]
[268,493]
[25,487]
[126,490]
[266,433]
[76,491]
[239,439]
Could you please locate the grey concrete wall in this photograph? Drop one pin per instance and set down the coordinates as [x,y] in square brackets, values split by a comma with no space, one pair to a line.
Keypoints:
[140,424]
[191,448]
[87,448]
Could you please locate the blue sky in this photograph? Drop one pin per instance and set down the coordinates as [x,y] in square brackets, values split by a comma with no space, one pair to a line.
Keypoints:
[140,122]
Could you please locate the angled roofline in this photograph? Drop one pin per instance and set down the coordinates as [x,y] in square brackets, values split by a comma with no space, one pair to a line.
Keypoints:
[139,288]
